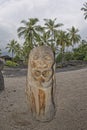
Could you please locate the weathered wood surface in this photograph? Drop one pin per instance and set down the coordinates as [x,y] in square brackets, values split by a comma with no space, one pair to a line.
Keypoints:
[1,65]
[40,89]
[1,76]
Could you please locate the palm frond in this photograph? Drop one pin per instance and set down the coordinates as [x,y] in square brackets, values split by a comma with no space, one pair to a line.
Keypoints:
[20,29]
[84,8]
[22,33]
[24,22]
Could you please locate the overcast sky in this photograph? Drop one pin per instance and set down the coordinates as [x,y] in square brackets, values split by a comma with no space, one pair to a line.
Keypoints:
[12,12]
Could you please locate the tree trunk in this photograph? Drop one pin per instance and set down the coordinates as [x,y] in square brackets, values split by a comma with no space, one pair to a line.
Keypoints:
[63,58]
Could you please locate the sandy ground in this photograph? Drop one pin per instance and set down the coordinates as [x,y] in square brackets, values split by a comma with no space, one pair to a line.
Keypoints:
[71,102]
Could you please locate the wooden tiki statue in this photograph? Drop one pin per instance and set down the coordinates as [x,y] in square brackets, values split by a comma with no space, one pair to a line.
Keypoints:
[40,89]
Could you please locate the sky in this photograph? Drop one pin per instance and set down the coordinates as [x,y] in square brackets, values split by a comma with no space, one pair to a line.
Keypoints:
[12,12]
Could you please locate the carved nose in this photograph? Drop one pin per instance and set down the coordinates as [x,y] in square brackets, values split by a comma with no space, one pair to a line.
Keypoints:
[41,79]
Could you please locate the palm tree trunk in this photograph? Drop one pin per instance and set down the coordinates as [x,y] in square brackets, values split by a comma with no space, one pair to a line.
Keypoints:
[72,46]
[63,58]
[12,55]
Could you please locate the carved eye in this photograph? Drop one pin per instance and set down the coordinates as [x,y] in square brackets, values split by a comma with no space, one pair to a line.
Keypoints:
[37,73]
[47,58]
[36,57]
[46,73]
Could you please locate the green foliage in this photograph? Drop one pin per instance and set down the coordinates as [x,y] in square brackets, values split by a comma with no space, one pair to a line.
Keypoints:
[74,36]
[79,55]
[16,58]
[59,58]
[84,8]
[69,56]
[11,63]
[11,46]
[80,52]
[29,31]
[50,35]
[85,59]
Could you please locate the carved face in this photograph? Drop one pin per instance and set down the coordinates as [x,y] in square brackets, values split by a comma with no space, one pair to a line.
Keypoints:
[41,66]
[42,75]
[41,70]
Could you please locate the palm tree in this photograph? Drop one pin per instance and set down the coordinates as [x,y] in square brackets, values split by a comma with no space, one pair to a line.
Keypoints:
[74,36]
[25,51]
[85,10]
[63,41]
[11,46]
[42,38]
[51,28]
[18,51]
[29,31]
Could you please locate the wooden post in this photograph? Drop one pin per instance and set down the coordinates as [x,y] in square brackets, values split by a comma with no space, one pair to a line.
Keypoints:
[1,76]
[40,89]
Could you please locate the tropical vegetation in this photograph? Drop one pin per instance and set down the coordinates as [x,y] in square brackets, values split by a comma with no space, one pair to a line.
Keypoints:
[66,44]
[50,34]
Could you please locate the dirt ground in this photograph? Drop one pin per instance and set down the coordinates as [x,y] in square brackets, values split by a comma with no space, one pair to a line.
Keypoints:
[71,91]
